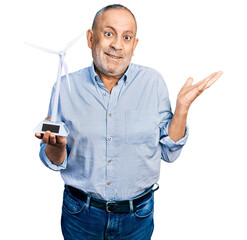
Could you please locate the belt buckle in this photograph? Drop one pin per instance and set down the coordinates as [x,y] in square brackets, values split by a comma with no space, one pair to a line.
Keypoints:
[107,206]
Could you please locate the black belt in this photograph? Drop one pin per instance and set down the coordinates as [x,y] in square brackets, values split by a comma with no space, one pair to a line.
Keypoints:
[112,206]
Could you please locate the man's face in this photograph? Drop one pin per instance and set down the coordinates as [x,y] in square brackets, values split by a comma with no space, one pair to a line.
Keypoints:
[113,42]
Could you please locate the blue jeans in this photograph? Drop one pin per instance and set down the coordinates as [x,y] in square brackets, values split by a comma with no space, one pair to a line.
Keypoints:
[80,221]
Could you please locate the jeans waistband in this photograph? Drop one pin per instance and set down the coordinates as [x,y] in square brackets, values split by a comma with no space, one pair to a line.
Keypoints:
[111,206]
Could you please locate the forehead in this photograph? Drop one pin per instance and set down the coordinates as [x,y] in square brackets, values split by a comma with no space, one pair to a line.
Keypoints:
[119,19]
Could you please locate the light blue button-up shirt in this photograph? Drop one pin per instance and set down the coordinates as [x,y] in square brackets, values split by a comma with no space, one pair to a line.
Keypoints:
[116,140]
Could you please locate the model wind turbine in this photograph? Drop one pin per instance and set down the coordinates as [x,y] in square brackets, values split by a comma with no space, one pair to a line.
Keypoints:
[58,128]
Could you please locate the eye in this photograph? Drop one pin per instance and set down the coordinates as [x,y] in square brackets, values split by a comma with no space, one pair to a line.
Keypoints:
[126,37]
[108,34]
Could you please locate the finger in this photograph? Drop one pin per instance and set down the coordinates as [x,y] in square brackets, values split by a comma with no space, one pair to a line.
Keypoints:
[188,83]
[214,79]
[52,139]
[46,137]
[205,80]
[210,76]
[202,85]
[48,118]
[38,135]
[60,139]
[199,88]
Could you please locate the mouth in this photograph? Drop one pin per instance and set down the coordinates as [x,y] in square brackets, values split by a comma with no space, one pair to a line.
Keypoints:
[112,56]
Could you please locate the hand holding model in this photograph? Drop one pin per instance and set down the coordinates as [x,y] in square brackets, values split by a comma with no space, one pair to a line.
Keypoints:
[55,149]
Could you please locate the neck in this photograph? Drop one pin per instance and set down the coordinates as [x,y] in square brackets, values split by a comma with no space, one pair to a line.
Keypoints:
[108,80]
[109,83]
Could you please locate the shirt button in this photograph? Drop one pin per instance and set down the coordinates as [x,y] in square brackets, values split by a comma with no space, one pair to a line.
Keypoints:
[109,183]
[110,114]
[109,161]
[110,138]
[105,93]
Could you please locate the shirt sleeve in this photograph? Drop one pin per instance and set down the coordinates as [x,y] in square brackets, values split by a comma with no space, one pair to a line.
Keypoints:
[170,149]
[47,162]
[43,157]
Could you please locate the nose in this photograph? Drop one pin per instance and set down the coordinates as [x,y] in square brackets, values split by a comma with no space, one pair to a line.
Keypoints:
[117,43]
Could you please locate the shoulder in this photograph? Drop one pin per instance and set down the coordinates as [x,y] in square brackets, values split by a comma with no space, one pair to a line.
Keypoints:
[77,76]
[80,73]
[136,68]
[143,72]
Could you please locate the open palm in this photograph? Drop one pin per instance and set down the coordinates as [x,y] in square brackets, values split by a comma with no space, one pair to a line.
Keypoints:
[189,92]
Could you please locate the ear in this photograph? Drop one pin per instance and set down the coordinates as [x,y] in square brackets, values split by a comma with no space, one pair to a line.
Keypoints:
[89,38]
[135,44]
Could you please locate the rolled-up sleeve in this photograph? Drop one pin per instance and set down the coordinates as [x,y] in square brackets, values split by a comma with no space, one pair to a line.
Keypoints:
[47,162]
[170,149]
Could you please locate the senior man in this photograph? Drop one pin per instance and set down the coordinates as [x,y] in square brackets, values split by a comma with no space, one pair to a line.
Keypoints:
[121,126]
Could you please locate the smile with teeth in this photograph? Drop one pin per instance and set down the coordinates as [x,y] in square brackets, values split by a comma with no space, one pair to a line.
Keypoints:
[112,56]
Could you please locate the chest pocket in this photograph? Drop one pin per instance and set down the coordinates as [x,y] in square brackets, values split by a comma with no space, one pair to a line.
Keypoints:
[139,127]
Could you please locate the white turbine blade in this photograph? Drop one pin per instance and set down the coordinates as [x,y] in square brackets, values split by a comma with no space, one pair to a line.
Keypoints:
[56,94]
[71,43]
[62,64]
[65,66]
[42,48]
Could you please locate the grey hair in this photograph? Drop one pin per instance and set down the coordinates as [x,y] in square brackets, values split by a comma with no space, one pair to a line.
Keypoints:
[104,9]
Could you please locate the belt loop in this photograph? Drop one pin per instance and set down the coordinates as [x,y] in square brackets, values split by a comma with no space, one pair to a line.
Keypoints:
[157,187]
[88,203]
[131,206]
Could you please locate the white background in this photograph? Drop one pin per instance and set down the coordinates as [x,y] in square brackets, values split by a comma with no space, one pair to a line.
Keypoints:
[203,194]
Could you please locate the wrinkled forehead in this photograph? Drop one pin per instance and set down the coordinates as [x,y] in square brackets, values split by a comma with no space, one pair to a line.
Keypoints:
[119,19]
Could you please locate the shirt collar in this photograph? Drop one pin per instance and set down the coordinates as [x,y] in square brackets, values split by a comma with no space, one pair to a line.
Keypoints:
[93,74]
[126,77]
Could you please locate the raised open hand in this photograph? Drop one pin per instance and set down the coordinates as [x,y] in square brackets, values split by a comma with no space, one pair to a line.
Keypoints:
[189,92]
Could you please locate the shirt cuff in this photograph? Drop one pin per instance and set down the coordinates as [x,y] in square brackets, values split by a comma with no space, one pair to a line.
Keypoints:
[47,162]
[171,145]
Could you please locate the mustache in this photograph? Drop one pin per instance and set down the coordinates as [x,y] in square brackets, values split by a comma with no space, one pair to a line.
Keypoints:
[114,53]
